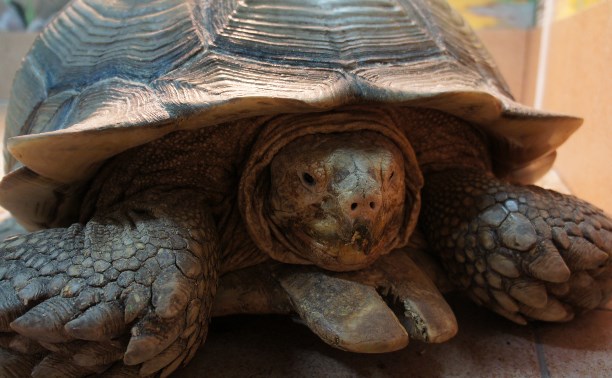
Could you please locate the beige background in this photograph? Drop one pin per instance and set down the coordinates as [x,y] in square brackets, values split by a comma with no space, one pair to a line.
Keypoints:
[580,82]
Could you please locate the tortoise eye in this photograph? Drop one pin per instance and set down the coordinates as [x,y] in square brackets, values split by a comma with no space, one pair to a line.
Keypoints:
[392,174]
[308,179]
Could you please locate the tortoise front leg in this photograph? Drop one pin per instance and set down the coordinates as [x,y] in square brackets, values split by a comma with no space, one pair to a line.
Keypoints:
[134,283]
[523,251]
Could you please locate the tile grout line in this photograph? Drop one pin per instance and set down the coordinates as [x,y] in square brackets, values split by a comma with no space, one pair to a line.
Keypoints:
[540,355]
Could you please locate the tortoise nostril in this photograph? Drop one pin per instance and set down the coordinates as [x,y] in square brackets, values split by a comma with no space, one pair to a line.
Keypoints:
[355,205]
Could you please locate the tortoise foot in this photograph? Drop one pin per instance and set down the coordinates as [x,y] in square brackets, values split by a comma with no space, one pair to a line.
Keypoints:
[124,289]
[523,251]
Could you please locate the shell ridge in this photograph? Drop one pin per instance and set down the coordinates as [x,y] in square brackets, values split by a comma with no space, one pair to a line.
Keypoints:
[84,47]
[450,30]
[199,27]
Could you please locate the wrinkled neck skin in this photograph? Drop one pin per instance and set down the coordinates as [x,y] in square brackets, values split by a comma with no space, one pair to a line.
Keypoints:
[339,192]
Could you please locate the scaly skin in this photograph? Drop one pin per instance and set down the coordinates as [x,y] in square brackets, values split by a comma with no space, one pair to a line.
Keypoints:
[524,252]
[147,266]
[206,160]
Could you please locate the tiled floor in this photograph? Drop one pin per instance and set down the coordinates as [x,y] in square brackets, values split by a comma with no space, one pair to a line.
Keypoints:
[486,346]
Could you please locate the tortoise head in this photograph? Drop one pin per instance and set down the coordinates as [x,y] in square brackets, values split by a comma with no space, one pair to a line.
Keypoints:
[338,198]
[336,189]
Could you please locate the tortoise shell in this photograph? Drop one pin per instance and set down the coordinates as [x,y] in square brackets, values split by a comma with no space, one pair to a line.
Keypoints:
[102,79]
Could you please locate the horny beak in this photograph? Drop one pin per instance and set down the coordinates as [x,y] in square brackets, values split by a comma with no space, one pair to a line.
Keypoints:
[361,237]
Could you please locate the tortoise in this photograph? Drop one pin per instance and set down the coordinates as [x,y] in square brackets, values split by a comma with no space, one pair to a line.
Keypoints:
[289,150]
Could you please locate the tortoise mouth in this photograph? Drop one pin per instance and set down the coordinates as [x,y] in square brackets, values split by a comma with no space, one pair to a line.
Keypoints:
[360,234]
[361,239]
[351,248]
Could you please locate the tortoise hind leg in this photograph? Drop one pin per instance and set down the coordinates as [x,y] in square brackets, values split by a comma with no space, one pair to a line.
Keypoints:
[135,283]
[523,251]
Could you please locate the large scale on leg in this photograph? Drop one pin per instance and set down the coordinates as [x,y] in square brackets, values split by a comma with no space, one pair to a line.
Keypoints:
[155,147]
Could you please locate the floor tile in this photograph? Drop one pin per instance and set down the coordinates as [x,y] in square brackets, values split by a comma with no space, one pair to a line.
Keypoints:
[274,346]
[581,348]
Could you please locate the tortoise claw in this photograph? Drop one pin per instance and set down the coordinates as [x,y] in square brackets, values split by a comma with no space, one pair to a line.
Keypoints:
[150,337]
[98,323]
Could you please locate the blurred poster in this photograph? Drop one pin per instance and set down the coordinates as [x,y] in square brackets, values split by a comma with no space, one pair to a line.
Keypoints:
[490,14]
